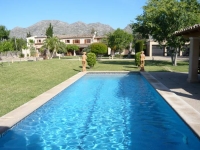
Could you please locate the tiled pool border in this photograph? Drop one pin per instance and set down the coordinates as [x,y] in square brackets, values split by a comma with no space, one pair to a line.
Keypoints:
[186,112]
[183,109]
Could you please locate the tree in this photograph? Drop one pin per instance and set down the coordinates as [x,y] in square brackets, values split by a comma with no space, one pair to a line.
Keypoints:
[55,44]
[160,19]
[72,47]
[49,31]
[6,46]
[4,33]
[13,44]
[139,45]
[104,40]
[51,44]
[98,48]
[28,34]
[87,49]
[18,43]
[31,47]
[62,48]
[47,46]
[119,40]
[93,31]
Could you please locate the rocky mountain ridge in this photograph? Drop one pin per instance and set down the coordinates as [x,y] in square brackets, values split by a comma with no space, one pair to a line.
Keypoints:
[63,28]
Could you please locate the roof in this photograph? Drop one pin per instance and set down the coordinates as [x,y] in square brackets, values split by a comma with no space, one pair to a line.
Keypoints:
[82,45]
[73,36]
[69,37]
[191,31]
[77,36]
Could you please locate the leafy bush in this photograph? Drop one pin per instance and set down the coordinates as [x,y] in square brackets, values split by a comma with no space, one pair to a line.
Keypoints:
[118,56]
[139,46]
[91,59]
[98,48]
[87,49]
[33,53]
[137,58]
[21,55]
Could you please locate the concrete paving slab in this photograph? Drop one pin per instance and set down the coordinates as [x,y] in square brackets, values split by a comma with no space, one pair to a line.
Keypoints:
[177,82]
[188,110]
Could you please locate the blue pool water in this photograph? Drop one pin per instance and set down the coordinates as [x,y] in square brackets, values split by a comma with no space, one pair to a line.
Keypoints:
[103,112]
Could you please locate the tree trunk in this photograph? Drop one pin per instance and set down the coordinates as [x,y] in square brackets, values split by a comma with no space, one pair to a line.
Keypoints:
[53,53]
[172,56]
[48,53]
[175,57]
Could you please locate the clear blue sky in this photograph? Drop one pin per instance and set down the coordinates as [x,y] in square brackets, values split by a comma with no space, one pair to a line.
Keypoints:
[24,13]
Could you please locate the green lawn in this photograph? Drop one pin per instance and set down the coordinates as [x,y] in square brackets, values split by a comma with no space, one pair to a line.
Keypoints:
[22,81]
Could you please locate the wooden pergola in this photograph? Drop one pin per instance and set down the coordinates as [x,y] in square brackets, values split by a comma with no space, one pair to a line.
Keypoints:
[193,33]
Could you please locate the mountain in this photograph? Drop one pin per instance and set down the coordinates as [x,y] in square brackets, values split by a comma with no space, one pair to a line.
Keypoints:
[128,29]
[61,28]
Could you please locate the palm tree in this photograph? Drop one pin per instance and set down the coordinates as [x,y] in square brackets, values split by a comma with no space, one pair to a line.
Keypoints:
[47,45]
[31,47]
[62,48]
[55,44]
[51,43]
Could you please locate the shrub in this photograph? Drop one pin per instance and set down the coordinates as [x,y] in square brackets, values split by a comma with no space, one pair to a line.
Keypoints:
[137,58]
[87,49]
[91,59]
[33,53]
[21,55]
[98,48]
[118,56]
[139,46]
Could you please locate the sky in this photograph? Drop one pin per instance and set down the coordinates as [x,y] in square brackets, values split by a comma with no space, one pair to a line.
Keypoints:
[24,13]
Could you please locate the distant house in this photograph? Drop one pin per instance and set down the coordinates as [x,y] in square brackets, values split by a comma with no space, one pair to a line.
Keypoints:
[81,41]
[38,41]
[153,48]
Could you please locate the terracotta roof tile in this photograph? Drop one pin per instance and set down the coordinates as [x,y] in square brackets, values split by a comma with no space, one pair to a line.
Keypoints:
[187,30]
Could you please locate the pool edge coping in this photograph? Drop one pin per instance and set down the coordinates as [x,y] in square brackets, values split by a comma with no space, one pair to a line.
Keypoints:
[8,120]
[184,110]
[188,114]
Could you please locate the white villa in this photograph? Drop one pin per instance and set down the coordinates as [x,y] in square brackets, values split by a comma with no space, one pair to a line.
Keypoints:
[81,41]
[152,47]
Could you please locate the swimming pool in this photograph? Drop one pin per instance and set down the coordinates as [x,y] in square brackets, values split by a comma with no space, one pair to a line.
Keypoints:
[103,111]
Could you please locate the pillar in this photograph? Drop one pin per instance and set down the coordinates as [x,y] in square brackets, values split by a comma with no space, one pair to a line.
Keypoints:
[165,50]
[193,59]
[149,49]
[181,53]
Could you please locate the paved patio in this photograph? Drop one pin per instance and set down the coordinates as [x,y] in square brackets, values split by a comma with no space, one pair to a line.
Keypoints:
[177,82]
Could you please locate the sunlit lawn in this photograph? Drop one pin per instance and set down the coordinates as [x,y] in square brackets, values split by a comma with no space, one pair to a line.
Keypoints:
[22,81]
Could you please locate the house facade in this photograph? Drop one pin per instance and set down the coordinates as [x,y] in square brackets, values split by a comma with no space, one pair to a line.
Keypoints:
[37,40]
[81,41]
[153,48]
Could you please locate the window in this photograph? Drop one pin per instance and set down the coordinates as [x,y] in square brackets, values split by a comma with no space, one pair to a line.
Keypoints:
[76,41]
[38,41]
[87,41]
[67,41]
